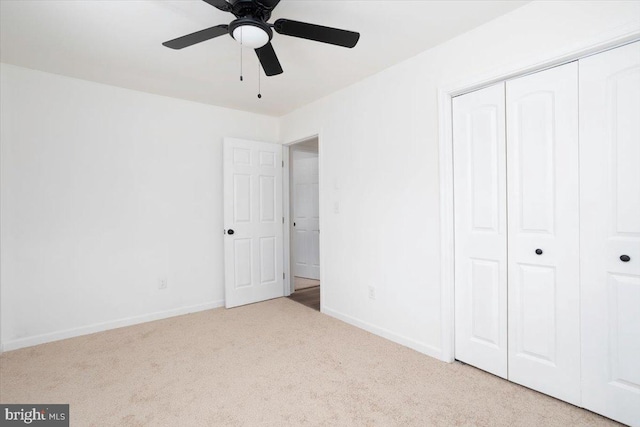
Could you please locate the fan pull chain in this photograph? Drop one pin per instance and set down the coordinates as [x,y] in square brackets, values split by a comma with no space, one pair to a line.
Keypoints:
[241,79]
[259,94]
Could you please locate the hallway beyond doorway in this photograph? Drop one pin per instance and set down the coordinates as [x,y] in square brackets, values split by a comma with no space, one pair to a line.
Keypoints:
[304,283]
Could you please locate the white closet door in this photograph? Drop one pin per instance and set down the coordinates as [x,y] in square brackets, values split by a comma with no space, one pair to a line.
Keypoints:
[480,222]
[610,229]
[306,215]
[543,232]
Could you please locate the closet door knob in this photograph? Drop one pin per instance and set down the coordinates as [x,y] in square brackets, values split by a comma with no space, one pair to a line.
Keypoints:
[539,251]
[625,258]
[230,231]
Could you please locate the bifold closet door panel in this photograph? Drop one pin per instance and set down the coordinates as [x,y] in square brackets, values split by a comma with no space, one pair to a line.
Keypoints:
[480,224]
[610,232]
[543,232]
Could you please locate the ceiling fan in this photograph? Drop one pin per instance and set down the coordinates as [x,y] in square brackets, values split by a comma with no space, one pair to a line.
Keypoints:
[251,29]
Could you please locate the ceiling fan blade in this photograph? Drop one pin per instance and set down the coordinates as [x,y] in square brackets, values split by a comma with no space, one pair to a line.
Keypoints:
[269,4]
[219,4]
[269,60]
[197,37]
[316,32]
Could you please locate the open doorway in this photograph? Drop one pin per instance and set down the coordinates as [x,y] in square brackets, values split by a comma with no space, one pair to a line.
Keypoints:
[305,222]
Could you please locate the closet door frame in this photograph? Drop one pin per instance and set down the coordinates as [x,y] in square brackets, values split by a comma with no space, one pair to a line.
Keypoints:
[618,37]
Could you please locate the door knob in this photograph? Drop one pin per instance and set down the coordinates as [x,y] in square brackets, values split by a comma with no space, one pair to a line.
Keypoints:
[625,258]
[230,231]
[539,251]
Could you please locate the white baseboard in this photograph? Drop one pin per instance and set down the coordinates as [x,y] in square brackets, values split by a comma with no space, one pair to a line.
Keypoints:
[105,326]
[384,333]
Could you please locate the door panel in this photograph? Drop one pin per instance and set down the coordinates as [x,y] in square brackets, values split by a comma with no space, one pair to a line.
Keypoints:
[535,163]
[253,210]
[242,254]
[485,294]
[537,308]
[306,215]
[268,258]
[267,199]
[610,227]
[480,223]
[241,198]
[542,194]
[624,296]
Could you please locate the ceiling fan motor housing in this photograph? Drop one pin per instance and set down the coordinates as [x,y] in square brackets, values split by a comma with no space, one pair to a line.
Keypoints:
[250,8]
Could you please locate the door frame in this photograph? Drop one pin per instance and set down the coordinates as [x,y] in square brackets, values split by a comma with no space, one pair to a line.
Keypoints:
[288,221]
[605,41]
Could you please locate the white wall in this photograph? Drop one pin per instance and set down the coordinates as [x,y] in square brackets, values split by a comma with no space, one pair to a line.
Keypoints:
[379,162]
[105,191]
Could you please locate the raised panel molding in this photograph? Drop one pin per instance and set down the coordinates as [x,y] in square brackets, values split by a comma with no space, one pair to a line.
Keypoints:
[243,249]
[537,320]
[485,282]
[267,199]
[624,316]
[301,200]
[623,88]
[267,259]
[315,248]
[267,158]
[300,239]
[242,198]
[241,156]
[483,163]
[535,145]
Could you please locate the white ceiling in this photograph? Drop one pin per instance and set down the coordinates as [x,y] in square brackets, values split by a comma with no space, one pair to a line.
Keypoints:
[118,42]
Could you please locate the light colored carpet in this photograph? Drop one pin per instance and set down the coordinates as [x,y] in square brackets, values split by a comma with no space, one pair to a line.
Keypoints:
[274,363]
[303,283]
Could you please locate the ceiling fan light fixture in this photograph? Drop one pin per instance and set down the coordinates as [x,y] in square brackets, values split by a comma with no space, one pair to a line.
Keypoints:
[250,36]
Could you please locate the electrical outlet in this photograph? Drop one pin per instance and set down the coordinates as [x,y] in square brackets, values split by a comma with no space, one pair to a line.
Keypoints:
[162,284]
[372,292]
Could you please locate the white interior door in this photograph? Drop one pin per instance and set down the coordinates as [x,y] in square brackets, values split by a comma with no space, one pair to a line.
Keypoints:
[543,232]
[610,229]
[480,229]
[253,221]
[306,215]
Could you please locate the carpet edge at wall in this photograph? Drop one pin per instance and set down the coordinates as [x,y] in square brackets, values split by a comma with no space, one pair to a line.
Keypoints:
[420,347]
[105,326]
